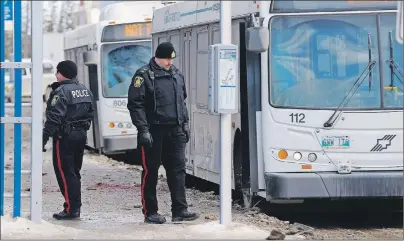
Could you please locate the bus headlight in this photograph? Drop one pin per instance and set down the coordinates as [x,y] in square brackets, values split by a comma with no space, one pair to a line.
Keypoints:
[120,125]
[129,125]
[312,157]
[297,156]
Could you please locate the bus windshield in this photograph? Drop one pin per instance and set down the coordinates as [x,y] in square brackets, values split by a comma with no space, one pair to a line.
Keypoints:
[315,60]
[119,64]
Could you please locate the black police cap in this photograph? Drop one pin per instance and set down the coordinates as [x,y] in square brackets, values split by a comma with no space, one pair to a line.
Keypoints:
[165,50]
[67,68]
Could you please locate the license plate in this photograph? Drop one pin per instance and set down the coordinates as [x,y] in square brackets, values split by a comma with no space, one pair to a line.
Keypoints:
[335,142]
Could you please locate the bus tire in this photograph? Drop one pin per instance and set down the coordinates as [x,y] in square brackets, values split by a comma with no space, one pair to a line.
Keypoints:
[239,173]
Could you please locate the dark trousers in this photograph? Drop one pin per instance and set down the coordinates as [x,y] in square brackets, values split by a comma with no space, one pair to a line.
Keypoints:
[168,148]
[67,161]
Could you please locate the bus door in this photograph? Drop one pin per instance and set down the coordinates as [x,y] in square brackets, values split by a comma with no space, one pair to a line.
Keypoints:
[95,127]
[93,134]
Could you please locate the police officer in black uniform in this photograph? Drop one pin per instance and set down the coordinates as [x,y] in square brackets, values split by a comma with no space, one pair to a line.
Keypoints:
[156,101]
[69,113]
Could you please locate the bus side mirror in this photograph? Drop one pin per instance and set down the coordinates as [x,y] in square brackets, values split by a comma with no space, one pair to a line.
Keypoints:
[90,58]
[257,39]
[400,22]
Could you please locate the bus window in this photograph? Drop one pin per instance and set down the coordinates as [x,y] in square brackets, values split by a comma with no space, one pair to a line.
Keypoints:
[119,64]
[314,65]
[392,86]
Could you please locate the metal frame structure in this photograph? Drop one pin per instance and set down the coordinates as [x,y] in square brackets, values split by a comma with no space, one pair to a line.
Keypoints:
[36,107]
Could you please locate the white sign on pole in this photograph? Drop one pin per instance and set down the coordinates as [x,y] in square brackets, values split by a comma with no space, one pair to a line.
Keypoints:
[227,94]
[224,79]
[400,21]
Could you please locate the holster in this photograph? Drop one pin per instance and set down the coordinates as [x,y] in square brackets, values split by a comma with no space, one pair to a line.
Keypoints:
[66,129]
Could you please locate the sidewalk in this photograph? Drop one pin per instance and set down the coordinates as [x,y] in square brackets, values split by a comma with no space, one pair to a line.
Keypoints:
[112,207]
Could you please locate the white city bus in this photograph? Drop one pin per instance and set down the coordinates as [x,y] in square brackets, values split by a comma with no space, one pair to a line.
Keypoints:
[113,48]
[285,145]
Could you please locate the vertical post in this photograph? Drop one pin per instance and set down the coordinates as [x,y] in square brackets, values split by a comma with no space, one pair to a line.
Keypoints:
[37,110]
[2,107]
[17,108]
[225,127]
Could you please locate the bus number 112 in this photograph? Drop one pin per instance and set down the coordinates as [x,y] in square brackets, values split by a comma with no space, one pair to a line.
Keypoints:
[297,117]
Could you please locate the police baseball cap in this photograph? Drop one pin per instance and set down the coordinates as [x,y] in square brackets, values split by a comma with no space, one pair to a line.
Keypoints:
[165,50]
[67,68]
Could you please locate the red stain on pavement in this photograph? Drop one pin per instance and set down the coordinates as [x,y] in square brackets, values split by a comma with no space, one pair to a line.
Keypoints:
[101,185]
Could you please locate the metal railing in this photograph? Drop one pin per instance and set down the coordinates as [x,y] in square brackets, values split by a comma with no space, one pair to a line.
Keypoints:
[35,120]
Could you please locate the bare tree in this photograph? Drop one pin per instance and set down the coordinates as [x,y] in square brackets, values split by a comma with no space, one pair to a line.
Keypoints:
[26,28]
[47,20]
[26,17]
[50,15]
[66,21]
[54,15]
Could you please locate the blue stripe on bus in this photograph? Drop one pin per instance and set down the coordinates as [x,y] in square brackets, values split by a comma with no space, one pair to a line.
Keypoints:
[196,11]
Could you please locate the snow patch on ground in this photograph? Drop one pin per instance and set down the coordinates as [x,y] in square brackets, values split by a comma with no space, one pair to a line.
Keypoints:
[23,228]
[215,230]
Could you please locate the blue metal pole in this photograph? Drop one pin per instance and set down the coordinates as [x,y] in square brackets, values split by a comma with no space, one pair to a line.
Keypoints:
[2,107]
[17,109]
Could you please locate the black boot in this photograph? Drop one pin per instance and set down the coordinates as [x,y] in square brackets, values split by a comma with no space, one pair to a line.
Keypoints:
[155,218]
[67,216]
[184,215]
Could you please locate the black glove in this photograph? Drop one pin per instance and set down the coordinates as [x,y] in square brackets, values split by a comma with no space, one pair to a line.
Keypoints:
[45,139]
[144,138]
[185,128]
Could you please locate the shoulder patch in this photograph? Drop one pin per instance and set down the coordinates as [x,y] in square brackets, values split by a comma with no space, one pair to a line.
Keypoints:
[55,100]
[138,81]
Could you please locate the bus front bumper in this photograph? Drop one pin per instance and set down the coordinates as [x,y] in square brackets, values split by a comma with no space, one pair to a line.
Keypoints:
[333,185]
[115,144]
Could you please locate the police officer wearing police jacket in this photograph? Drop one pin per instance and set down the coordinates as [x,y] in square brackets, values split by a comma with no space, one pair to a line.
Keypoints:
[156,101]
[69,113]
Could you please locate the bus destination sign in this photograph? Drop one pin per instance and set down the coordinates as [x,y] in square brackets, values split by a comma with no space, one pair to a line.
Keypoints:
[129,31]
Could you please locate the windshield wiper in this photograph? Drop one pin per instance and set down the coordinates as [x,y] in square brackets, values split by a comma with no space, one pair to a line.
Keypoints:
[355,86]
[370,59]
[394,68]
